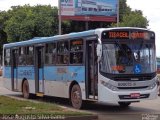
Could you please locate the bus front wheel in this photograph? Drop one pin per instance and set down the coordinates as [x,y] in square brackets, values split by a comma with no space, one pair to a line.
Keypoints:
[124,104]
[25,89]
[76,96]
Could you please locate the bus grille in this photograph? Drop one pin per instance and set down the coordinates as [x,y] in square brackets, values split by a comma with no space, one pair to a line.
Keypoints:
[125,88]
[122,97]
[140,78]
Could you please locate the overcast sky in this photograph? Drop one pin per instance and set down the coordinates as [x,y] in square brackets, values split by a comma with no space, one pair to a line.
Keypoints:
[150,8]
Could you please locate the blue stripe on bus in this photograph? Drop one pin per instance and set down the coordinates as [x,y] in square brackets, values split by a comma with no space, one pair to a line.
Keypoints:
[56,73]
[15,73]
[40,73]
[23,72]
[65,73]
[7,72]
[26,72]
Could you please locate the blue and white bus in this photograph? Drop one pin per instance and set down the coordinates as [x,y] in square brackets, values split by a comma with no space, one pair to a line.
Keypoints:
[109,65]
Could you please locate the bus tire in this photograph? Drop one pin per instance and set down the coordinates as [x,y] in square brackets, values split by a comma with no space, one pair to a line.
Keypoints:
[25,90]
[124,104]
[76,96]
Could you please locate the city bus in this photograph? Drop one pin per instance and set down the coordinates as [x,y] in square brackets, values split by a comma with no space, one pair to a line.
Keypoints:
[104,65]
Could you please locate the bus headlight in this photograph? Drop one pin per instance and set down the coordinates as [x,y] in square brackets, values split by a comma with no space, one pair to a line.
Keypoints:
[152,86]
[111,87]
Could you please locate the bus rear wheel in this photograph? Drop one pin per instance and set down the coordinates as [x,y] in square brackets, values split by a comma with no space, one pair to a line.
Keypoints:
[76,96]
[124,104]
[25,89]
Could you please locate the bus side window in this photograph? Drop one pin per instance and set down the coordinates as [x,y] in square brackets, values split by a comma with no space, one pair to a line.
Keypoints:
[22,56]
[50,53]
[76,51]
[7,60]
[76,58]
[63,53]
[29,55]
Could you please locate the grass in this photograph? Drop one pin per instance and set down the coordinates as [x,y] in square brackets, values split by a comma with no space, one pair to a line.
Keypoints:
[13,106]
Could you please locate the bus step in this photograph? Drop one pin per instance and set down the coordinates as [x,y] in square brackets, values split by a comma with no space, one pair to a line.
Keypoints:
[92,100]
[40,94]
[16,90]
[93,97]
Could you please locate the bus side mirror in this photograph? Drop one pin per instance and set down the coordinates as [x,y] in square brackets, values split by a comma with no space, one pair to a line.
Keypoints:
[99,51]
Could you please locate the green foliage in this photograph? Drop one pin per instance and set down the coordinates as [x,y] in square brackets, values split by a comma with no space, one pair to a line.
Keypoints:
[123,9]
[3,36]
[134,19]
[27,22]
[128,18]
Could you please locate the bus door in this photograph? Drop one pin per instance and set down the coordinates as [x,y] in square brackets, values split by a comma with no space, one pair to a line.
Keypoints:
[39,76]
[14,65]
[91,70]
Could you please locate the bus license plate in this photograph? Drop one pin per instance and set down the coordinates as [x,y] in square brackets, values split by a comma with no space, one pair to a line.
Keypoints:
[135,95]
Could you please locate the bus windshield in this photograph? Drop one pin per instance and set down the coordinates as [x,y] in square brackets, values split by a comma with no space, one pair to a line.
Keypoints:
[128,58]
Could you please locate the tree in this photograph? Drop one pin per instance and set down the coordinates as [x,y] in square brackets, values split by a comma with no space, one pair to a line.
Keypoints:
[3,35]
[123,9]
[134,19]
[130,18]
[27,22]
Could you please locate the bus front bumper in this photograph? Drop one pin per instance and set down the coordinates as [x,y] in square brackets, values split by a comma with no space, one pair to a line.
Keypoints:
[106,95]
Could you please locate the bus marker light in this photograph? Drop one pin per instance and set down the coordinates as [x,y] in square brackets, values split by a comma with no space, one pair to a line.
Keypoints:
[39,94]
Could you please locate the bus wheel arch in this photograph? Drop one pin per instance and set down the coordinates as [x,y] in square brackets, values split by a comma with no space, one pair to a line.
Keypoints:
[75,95]
[25,88]
[22,83]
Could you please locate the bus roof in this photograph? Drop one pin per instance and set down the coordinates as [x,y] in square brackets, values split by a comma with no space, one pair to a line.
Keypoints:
[39,40]
[50,39]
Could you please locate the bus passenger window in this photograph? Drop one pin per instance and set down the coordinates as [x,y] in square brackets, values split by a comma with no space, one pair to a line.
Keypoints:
[59,59]
[7,60]
[76,51]
[76,58]
[29,55]
[63,53]
[63,47]
[22,56]
[66,59]
[76,45]
[50,53]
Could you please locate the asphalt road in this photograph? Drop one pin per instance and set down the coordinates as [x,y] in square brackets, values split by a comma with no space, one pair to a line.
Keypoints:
[4,91]
[145,110]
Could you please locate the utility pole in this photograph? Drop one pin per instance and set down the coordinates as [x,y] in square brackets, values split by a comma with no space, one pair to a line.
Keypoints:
[86,22]
[86,25]
[59,18]
[117,13]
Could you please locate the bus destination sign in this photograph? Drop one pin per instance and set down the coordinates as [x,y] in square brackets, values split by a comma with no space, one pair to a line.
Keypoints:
[127,35]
